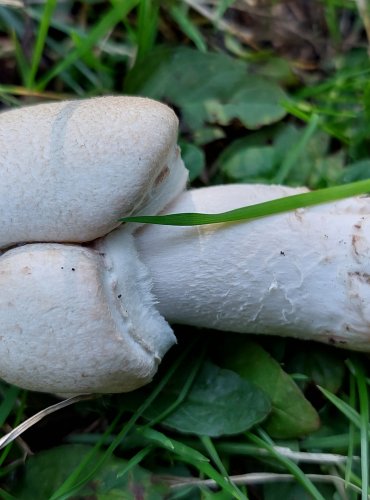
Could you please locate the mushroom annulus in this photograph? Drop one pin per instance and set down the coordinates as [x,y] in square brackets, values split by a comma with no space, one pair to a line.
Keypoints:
[94,318]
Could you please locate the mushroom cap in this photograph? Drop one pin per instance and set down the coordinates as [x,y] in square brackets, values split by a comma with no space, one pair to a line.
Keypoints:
[70,170]
[73,322]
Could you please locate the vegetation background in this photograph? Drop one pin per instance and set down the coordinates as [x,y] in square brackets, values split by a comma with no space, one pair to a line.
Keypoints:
[267,91]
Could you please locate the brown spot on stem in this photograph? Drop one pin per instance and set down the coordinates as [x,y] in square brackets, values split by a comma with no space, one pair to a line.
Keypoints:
[355,241]
[162,175]
[363,277]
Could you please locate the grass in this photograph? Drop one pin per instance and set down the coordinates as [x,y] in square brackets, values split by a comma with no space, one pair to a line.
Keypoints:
[307,84]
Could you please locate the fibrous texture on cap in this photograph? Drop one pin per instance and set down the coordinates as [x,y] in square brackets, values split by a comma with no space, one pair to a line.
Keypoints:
[303,274]
[72,322]
[70,170]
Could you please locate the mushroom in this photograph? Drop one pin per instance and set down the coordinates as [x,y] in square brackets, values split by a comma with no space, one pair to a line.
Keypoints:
[69,170]
[303,274]
[71,320]
[92,318]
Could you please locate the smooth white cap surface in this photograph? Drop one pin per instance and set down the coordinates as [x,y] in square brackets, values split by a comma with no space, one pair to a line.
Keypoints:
[70,170]
[71,322]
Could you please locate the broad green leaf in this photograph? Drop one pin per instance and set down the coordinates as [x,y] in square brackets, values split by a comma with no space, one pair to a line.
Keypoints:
[322,365]
[292,155]
[194,159]
[207,134]
[292,415]
[278,69]
[182,74]
[255,102]
[355,172]
[207,87]
[219,403]
[249,164]
[47,470]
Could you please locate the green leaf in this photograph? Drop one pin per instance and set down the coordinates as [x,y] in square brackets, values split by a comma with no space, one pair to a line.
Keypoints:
[219,402]
[194,159]
[255,102]
[292,415]
[321,364]
[208,87]
[47,470]
[249,164]
[355,172]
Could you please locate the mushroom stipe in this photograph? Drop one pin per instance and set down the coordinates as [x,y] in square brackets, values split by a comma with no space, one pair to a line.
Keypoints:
[94,318]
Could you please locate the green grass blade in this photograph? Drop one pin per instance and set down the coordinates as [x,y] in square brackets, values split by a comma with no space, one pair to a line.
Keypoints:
[184,391]
[179,15]
[148,13]
[135,460]
[74,481]
[290,466]
[304,111]
[211,449]
[18,406]
[40,41]
[342,406]
[351,432]
[4,495]
[9,398]
[293,156]
[9,401]
[223,482]
[172,445]
[107,22]
[363,396]
[22,62]
[70,483]
[272,207]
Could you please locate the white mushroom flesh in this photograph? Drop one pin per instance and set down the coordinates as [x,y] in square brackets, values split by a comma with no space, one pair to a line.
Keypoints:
[72,322]
[303,274]
[70,170]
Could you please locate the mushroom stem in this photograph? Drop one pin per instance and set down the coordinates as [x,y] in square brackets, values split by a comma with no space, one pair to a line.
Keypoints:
[302,274]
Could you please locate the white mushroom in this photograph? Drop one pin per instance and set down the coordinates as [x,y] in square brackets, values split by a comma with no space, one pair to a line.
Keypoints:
[302,274]
[74,322]
[89,319]
[71,320]
[69,170]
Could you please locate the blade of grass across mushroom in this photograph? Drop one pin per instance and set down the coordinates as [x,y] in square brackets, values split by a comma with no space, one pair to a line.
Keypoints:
[264,209]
